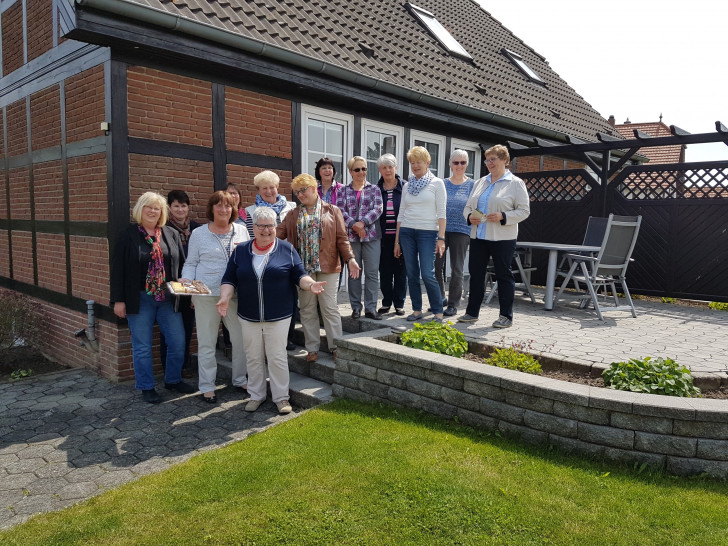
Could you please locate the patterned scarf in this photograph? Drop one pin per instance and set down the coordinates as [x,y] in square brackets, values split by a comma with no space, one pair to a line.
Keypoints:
[154,283]
[416,185]
[309,237]
[183,229]
[278,206]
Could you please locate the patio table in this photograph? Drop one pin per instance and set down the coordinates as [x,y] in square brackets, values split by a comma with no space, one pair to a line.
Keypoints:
[554,249]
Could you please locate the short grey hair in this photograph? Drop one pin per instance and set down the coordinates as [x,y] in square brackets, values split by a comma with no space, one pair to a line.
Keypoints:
[264,213]
[387,160]
[459,155]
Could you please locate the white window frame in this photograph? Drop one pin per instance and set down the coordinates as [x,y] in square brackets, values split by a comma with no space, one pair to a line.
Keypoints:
[397,131]
[441,34]
[329,116]
[435,139]
[468,147]
[523,66]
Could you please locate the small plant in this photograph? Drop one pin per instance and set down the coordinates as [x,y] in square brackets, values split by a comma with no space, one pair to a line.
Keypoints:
[20,374]
[436,337]
[667,300]
[718,305]
[513,360]
[19,324]
[652,376]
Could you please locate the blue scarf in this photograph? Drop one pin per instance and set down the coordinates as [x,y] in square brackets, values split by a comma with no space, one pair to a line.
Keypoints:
[416,185]
[278,206]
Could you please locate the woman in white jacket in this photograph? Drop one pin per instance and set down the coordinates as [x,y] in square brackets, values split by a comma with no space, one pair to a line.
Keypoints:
[210,247]
[498,202]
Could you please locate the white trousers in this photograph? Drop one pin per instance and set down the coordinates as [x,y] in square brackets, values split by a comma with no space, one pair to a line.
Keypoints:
[308,303]
[208,327]
[267,340]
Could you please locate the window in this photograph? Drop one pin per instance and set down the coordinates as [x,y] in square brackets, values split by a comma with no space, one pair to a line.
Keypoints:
[474,157]
[434,144]
[440,33]
[380,139]
[326,134]
[521,64]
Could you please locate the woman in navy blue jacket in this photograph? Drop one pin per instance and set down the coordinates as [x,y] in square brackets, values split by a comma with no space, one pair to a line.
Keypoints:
[265,272]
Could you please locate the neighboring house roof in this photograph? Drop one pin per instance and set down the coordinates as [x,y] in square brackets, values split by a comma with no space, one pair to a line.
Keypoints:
[380,41]
[658,154]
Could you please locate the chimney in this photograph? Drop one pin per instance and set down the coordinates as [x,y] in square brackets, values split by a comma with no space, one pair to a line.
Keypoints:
[627,122]
[611,120]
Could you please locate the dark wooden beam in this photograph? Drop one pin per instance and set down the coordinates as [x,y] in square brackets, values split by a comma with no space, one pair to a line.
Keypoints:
[640,135]
[676,131]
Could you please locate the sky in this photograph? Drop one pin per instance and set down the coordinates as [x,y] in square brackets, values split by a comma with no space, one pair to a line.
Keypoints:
[635,59]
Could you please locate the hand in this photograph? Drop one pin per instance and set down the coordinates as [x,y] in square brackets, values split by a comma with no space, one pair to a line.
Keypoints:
[397,250]
[494,217]
[475,221]
[318,287]
[183,280]
[222,307]
[120,309]
[440,248]
[359,229]
[354,269]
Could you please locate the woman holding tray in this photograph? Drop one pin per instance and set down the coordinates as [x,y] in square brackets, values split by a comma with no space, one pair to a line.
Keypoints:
[209,250]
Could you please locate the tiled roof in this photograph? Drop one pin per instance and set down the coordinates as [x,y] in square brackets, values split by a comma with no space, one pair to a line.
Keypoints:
[406,55]
[658,154]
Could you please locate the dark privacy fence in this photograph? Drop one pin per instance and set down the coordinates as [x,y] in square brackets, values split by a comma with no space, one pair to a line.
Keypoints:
[682,249]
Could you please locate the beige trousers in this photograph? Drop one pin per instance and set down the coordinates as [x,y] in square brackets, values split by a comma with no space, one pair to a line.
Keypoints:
[266,340]
[308,304]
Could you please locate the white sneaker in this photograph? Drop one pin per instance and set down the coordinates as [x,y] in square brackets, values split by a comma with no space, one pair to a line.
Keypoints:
[253,405]
[503,322]
[284,407]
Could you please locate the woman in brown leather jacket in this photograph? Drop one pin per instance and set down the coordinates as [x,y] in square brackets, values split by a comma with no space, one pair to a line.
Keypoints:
[317,231]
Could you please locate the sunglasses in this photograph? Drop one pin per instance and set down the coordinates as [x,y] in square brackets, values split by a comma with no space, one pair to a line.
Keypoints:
[459,162]
[359,169]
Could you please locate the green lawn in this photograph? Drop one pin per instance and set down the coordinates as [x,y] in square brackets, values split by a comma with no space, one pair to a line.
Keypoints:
[350,473]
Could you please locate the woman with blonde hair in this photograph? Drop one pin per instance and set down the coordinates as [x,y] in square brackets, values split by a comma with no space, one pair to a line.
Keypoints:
[316,230]
[147,254]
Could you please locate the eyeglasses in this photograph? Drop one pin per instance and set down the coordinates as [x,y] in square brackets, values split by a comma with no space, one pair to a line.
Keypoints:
[491,159]
[459,162]
[265,226]
[300,192]
[359,169]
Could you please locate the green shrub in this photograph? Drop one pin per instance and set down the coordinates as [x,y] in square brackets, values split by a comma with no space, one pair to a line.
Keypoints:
[718,305]
[653,376]
[513,360]
[436,337]
[19,323]
[668,300]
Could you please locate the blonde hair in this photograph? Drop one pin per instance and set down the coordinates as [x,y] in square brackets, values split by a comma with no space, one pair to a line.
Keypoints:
[150,199]
[500,151]
[304,180]
[266,176]
[350,163]
[419,153]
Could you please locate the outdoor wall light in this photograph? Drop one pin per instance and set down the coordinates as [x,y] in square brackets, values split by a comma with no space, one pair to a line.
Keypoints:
[106,127]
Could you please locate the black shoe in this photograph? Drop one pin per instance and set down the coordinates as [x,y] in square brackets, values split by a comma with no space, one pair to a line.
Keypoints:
[210,399]
[373,316]
[450,311]
[241,389]
[151,396]
[383,310]
[399,311]
[290,346]
[355,314]
[181,387]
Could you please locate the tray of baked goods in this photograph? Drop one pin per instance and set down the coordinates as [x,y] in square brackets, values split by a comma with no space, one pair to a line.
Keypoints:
[189,288]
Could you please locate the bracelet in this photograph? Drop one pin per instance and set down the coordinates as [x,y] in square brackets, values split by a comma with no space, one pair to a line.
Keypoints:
[396,242]
[441,238]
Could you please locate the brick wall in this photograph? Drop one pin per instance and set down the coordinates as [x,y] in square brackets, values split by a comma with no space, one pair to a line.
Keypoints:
[87,191]
[4,254]
[48,184]
[90,268]
[45,118]
[164,106]
[17,127]
[2,134]
[162,174]
[85,104]
[40,27]
[51,252]
[20,193]
[23,256]
[243,176]
[12,38]
[257,124]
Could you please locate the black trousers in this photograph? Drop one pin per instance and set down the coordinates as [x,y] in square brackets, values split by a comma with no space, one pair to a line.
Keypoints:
[480,254]
[392,275]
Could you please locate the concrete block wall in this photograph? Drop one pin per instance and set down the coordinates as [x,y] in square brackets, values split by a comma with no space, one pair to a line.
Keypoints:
[684,436]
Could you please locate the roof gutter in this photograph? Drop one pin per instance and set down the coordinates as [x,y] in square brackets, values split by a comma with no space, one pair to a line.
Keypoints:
[177,23]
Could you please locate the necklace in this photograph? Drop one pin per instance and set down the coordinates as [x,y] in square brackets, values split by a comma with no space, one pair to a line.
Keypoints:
[262,248]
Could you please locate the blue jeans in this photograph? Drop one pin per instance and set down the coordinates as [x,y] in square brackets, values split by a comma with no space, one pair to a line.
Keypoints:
[418,248]
[141,325]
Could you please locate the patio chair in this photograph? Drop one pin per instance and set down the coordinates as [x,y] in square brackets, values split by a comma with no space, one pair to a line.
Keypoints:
[608,266]
[593,236]
[524,273]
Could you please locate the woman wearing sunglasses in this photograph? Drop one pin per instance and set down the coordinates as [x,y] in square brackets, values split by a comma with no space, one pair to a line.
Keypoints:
[361,204]
[457,232]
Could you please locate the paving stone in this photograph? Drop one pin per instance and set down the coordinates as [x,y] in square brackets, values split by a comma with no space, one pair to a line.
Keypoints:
[25,465]
[150,466]
[35,450]
[87,474]
[34,504]
[78,491]
[120,461]
[8,458]
[88,459]
[114,479]
[46,486]
[17,481]
[97,446]
[54,470]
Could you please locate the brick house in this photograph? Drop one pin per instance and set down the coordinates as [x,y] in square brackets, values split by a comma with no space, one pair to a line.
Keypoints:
[102,100]
[655,154]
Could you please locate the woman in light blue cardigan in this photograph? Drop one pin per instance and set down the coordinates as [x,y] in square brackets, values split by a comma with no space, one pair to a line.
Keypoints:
[210,247]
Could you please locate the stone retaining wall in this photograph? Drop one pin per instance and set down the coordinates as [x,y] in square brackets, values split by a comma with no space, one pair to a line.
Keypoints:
[685,436]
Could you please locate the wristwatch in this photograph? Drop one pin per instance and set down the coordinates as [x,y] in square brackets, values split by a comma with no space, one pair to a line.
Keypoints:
[441,238]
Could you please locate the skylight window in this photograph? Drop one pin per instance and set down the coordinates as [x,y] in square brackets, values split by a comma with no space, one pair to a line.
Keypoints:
[521,64]
[438,31]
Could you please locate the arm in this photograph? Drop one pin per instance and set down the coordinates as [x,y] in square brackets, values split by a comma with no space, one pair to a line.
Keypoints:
[472,203]
[306,283]
[341,203]
[189,271]
[343,245]
[397,248]
[226,293]
[376,206]
[440,246]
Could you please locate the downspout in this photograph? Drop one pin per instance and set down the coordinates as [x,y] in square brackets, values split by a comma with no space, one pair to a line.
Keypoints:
[88,335]
[173,22]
